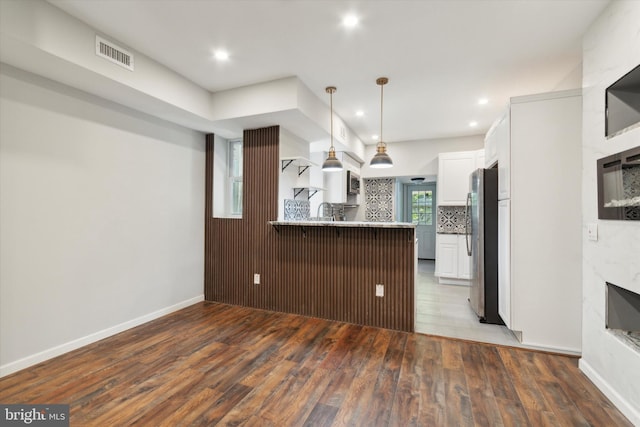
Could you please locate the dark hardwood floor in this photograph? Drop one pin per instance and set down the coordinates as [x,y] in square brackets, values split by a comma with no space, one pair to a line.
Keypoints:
[218,364]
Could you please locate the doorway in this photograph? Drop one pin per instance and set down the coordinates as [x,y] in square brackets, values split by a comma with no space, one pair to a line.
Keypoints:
[420,210]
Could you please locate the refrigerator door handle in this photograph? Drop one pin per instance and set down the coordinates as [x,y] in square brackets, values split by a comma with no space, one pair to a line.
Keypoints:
[466,223]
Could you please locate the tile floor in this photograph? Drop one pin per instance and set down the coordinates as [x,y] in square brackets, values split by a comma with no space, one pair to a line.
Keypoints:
[444,310]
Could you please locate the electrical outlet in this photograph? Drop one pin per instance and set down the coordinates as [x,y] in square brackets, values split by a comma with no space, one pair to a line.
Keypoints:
[379,290]
[256,279]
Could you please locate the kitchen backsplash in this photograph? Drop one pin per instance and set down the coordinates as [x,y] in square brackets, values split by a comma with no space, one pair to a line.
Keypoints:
[379,199]
[450,220]
[296,210]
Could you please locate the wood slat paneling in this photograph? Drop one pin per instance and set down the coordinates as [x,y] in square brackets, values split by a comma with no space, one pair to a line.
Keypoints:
[321,272]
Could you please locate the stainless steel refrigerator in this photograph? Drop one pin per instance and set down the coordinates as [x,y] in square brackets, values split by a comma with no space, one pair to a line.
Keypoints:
[482,244]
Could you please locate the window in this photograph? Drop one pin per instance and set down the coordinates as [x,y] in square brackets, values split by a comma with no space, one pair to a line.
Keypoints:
[422,207]
[235,176]
[227,178]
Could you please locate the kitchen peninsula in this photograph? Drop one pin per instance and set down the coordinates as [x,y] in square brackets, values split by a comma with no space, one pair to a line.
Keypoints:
[353,271]
[314,268]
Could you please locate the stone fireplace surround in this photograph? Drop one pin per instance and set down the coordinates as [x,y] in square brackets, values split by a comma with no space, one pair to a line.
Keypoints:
[609,52]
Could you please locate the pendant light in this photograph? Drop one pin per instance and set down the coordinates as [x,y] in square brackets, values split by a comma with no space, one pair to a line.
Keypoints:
[381,158]
[332,163]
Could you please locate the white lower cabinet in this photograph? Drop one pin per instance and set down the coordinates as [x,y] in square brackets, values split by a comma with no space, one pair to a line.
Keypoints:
[504,262]
[446,255]
[453,265]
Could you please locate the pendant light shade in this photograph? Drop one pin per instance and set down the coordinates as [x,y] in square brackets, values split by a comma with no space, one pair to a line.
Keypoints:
[381,158]
[332,164]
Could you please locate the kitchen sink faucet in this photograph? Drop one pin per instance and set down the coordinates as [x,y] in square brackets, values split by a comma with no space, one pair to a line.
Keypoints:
[330,207]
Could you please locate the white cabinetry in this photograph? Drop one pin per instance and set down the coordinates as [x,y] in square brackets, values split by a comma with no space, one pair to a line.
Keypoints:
[480,159]
[491,147]
[504,262]
[502,136]
[336,182]
[453,177]
[447,255]
[453,265]
[539,240]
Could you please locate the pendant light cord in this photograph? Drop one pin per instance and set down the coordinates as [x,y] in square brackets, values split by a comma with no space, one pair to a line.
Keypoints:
[381,104]
[331,119]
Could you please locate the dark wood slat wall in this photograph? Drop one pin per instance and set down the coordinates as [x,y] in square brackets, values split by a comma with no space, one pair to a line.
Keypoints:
[321,272]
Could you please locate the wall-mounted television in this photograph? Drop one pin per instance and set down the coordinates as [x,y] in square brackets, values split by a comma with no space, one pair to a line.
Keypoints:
[622,103]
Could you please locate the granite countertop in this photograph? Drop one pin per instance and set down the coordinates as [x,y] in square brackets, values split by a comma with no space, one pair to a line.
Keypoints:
[348,224]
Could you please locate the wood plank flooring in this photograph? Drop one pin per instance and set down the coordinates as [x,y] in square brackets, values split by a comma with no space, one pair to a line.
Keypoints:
[214,364]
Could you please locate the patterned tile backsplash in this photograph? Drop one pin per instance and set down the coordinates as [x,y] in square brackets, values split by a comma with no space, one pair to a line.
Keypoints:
[450,220]
[379,199]
[296,210]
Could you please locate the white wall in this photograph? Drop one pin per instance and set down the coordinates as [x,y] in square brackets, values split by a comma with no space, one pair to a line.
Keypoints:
[418,158]
[38,37]
[611,48]
[291,146]
[101,218]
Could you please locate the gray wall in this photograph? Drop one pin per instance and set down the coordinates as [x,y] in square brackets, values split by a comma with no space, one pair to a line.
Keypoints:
[101,218]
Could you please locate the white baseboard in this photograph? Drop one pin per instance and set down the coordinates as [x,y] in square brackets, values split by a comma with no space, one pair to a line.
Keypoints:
[621,403]
[569,351]
[457,282]
[50,353]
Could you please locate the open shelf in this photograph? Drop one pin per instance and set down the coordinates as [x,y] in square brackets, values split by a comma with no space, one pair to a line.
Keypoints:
[302,163]
[311,191]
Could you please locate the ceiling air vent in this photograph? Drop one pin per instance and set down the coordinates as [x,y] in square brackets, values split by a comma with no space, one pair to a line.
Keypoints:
[114,53]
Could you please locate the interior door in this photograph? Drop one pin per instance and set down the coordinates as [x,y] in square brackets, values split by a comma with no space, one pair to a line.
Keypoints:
[421,211]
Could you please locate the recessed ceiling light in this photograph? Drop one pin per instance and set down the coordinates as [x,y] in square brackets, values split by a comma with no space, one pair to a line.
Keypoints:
[483,101]
[221,55]
[350,21]
[359,113]
[473,123]
[375,137]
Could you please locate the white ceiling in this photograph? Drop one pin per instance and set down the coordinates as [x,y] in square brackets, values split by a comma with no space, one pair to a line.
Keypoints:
[440,55]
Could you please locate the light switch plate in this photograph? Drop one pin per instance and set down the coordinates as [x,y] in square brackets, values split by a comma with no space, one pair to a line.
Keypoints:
[379,290]
[592,231]
[256,279]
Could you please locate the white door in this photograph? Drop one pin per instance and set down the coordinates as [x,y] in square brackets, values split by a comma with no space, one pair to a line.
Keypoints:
[421,211]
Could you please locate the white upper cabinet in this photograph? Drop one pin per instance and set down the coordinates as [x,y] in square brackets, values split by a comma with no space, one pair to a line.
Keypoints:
[491,146]
[502,139]
[453,176]
[539,227]
[335,183]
